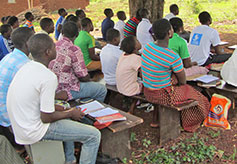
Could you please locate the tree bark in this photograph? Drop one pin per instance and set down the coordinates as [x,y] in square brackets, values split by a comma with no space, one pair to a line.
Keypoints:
[156,7]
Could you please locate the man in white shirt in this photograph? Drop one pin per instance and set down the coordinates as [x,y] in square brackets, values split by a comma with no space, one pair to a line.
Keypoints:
[201,40]
[143,33]
[109,56]
[30,105]
[174,11]
[120,24]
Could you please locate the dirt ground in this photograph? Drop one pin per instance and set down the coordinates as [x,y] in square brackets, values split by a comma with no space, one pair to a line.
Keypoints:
[225,141]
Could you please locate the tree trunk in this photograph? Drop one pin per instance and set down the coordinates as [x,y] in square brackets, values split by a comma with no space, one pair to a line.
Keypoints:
[156,7]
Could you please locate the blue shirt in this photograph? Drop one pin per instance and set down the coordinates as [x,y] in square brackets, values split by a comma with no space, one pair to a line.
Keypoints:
[106,24]
[59,21]
[9,66]
[3,48]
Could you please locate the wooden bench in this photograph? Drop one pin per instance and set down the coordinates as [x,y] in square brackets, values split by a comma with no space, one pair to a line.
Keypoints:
[168,117]
[115,139]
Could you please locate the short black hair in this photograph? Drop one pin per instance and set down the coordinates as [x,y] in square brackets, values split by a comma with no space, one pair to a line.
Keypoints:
[39,43]
[161,28]
[70,29]
[143,12]
[72,18]
[174,8]
[85,22]
[204,17]
[176,23]
[4,19]
[12,20]
[5,28]
[61,10]
[28,15]
[138,16]
[45,22]
[111,34]
[128,44]
[79,12]
[107,11]
[120,14]
[20,36]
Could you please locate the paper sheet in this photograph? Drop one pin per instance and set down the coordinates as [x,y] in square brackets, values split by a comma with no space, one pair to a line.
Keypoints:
[223,43]
[94,105]
[233,47]
[103,112]
[207,78]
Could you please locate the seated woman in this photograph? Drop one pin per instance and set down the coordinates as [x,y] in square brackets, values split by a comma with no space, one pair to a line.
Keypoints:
[128,67]
[179,45]
[164,78]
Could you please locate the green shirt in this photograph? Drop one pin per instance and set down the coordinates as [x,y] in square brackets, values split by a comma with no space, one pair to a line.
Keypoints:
[179,45]
[85,41]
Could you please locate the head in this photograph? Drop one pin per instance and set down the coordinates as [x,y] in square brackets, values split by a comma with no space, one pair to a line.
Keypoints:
[14,22]
[74,19]
[80,14]
[47,25]
[177,24]
[205,18]
[70,30]
[42,48]
[6,30]
[162,29]
[130,45]
[20,36]
[174,9]
[138,16]
[29,16]
[113,36]
[108,12]
[4,20]
[62,12]
[121,15]
[87,25]
[144,13]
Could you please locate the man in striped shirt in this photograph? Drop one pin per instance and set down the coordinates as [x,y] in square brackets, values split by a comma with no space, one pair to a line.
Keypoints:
[131,26]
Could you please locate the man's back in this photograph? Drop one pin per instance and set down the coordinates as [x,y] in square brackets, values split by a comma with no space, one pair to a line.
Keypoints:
[201,39]
[38,84]
[8,68]
[131,27]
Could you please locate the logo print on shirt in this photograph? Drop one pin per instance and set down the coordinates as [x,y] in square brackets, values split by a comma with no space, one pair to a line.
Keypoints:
[196,39]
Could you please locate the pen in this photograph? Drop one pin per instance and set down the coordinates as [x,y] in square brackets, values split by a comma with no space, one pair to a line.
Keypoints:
[84,110]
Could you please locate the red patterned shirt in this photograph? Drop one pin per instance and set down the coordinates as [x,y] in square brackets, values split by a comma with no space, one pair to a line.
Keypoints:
[69,66]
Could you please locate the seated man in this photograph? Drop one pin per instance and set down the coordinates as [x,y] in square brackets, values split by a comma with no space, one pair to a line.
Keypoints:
[120,24]
[80,14]
[130,27]
[144,35]
[174,11]
[201,40]
[29,18]
[62,13]
[34,117]
[110,55]
[47,25]
[87,44]
[9,66]
[13,21]
[6,45]
[70,68]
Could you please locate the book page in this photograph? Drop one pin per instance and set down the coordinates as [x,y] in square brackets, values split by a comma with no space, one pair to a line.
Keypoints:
[103,112]
[92,106]
[207,78]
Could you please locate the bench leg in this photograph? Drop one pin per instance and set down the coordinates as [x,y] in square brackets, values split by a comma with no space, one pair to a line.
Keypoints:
[155,117]
[116,144]
[133,106]
[169,122]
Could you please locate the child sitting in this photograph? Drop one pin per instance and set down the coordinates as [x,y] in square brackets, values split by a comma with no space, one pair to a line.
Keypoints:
[179,45]
[80,14]
[63,13]
[128,67]
[29,18]
[120,24]
[109,56]
[6,45]
[47,25]
[13,21]
[174,11]
[107,22]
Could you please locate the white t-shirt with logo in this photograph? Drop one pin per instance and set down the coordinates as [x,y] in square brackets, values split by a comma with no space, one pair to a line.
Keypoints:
[31,91]
[109,57]
[143,34]
[201,39]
